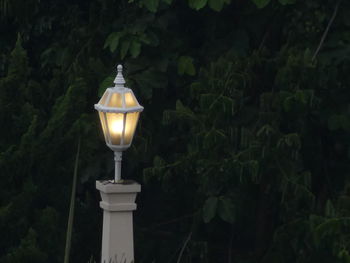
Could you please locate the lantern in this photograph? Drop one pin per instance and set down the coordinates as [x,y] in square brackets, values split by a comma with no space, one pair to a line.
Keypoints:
[119,112]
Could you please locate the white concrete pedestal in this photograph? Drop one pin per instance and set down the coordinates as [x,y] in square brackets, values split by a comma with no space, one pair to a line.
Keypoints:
[118,202]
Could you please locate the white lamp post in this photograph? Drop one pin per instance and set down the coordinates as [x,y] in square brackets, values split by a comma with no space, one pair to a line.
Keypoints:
[119,111]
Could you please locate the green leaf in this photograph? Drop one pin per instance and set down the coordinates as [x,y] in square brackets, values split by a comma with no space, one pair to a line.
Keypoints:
[106,83]
[167,1]
[124,49]
[334,123]
[261,3]
[135,49]
[185,66]
[287,2]
[158,161]
[346,123]
[197,4]
[181,108]
[112,41]
[300,96]
[253,166]
[344,255]
[288,104]
[216,5]
[153,39]
[339,121]
[149,80]
[329,209]
[151,5]
[226,210]
[179,105]
[209,209]
[149,39]
[265,130]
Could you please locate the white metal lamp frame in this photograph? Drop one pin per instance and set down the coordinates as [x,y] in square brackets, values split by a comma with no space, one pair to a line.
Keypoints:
[103,109]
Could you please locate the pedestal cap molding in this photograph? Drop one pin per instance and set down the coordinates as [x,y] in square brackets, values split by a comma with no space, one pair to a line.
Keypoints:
[118,188]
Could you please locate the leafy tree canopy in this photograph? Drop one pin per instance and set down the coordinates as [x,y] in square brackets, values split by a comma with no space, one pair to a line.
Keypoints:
[243,148]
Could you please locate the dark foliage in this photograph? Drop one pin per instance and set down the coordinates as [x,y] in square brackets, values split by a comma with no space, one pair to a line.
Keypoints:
[243,148]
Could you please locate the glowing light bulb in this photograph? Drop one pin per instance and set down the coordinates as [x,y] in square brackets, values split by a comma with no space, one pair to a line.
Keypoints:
[117,127]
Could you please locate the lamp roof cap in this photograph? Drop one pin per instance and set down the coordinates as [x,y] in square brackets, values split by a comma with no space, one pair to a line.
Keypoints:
[119,80]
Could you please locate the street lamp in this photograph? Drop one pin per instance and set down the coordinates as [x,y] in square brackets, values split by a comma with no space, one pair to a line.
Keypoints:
[119,112]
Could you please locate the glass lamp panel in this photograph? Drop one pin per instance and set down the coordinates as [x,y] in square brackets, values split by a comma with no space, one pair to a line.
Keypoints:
[130,100]
[130,126]
[115,124]
[103,99]
[103,123]
[115,101]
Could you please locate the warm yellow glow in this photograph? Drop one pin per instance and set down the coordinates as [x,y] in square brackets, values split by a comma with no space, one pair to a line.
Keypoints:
[130,125]
[102,119]
[117,126]
[117,130]
[115,101]
[129,100]
[103,99]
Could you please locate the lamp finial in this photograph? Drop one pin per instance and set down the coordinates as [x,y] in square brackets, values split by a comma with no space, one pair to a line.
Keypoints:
[119,80]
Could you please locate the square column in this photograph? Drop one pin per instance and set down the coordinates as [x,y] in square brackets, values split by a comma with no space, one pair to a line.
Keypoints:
[118,202]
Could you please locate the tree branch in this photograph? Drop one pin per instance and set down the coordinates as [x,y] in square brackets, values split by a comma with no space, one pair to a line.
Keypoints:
[326,31]
[183,247]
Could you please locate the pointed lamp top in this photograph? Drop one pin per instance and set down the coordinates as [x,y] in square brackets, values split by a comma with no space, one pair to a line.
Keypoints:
[119,80]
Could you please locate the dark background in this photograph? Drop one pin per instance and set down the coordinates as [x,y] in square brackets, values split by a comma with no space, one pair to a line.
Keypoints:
[242,150]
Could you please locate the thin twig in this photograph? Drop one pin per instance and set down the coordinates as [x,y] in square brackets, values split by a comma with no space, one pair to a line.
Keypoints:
[326,31]
[268,28]
[183,247]
[72,207]
[230,247]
